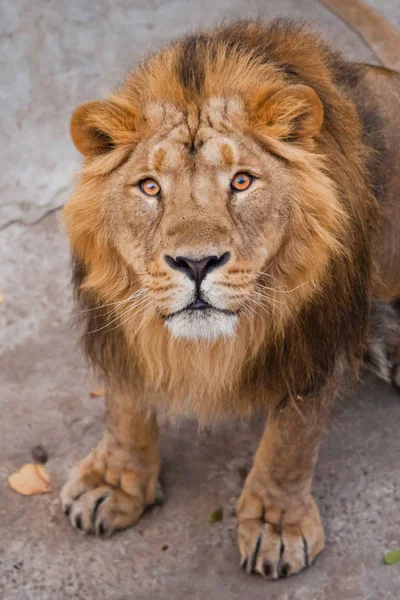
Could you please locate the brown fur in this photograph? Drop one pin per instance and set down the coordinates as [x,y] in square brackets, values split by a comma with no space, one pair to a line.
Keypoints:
[325,205]
[302,272]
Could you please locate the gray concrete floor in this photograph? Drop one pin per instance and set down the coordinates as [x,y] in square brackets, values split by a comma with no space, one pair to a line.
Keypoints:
[54,56]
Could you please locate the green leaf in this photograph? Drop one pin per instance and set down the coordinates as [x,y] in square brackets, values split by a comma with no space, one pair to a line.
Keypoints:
[216,516]
[392,558]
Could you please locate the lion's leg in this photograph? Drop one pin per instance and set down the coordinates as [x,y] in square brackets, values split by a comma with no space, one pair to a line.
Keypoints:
[280,530]
[109,489]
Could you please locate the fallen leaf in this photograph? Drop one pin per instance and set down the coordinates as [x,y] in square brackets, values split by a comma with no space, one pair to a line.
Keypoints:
[98,392]
[39,454]
[29,480]
[216,516]
[1,298]
[392,558]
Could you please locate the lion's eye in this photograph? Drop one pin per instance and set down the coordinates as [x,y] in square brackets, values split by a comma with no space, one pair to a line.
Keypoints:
[150,187]
[241,182]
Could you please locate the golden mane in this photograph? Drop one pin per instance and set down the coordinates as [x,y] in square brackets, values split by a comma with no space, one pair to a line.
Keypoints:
[334,216]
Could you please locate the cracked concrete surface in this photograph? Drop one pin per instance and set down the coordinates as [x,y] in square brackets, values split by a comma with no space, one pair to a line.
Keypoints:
[54,56]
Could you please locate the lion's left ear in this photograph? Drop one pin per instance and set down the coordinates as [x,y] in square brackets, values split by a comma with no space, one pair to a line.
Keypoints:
[294,114]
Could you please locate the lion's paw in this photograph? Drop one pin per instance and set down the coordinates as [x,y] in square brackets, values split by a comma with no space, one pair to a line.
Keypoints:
[101,499]
[276,551]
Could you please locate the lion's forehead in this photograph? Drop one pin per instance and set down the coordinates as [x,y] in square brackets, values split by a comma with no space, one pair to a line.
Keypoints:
[217,112]
[206,134]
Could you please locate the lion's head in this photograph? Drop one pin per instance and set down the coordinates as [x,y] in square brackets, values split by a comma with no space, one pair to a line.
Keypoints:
[210,201]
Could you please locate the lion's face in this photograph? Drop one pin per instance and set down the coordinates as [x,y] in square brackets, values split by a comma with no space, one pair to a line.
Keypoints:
[202,213]
[197,212]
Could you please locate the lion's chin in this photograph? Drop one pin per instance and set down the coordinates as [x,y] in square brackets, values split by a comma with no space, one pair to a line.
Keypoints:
[202,325]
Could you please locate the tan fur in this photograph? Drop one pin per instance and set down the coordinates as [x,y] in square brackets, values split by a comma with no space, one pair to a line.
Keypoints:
[293,296]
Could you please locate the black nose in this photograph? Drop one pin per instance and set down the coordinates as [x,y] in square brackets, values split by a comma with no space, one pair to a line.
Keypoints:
[197,269]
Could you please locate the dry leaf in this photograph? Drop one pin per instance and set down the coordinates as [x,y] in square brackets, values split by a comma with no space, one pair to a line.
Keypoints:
[29,480]
[1,298]
[98,392]
[392,558]
[216,516]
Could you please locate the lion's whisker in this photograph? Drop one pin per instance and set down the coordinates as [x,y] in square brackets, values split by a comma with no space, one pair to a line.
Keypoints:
[144,309]
[137,302]
[130,309]
[266,298]
[284,291]
[268,266]
[131,312]
[131,297]
[258,305]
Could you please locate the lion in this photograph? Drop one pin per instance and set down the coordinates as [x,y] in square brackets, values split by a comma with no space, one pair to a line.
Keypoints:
[235,234]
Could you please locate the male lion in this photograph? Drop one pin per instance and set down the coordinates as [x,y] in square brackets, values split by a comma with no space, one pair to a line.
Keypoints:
[228,241]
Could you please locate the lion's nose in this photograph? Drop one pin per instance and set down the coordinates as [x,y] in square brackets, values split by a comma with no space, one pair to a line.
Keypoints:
[197,270]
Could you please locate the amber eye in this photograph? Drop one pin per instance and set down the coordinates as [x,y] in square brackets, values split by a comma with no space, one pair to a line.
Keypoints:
[241,182]
[150,187]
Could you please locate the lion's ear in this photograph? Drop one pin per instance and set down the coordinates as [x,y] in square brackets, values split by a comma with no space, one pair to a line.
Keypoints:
[99,127]
[293,114]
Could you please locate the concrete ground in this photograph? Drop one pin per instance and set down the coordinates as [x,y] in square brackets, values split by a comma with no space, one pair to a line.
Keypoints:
[54,56]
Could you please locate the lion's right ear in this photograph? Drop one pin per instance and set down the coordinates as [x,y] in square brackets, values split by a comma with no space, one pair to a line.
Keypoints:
[99,127]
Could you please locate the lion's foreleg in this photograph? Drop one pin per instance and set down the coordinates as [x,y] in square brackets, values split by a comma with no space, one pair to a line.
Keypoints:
[109,489]
[280,530]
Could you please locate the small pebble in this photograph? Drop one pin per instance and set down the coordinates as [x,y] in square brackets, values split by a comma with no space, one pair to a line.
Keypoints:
[243,472]
[39,454]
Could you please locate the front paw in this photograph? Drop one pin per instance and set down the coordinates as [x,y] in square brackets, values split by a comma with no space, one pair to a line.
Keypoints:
[102,496]
[281,548]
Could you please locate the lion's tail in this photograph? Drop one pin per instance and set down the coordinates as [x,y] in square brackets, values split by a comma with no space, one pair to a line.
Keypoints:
[372,27]
[383,354]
